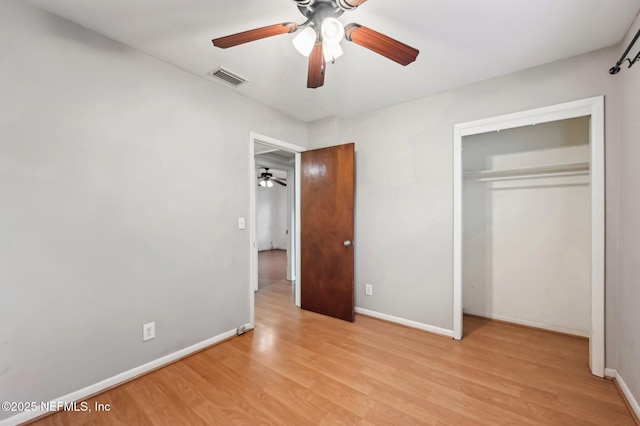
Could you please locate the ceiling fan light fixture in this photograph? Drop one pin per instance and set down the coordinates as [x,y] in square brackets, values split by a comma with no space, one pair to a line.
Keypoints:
[305,41]
[263,183]
[331,52]
[269,184]
[332,31]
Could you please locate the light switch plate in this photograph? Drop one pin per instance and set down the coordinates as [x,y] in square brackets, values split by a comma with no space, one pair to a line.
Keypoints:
[241,223]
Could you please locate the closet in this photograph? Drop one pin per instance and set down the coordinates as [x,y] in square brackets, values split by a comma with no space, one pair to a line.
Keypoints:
[526,225]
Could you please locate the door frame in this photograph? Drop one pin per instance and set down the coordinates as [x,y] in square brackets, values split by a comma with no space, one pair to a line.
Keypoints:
[253,248]
[594,108]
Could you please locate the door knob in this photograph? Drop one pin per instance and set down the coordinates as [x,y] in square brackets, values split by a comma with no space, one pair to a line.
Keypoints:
[347,243]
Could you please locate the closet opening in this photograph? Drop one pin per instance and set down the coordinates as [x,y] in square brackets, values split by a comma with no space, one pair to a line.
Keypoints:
[529,221]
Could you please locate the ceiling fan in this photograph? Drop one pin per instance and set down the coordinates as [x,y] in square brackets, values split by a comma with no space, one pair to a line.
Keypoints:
[266,179]
[320,36]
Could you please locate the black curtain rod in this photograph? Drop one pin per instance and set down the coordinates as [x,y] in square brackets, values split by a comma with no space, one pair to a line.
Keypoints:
[616,69]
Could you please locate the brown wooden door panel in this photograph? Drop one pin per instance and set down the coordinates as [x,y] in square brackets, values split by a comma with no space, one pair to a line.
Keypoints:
[327,202]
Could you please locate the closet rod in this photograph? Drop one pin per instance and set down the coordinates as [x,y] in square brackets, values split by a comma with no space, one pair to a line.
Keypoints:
[616,68]
[558,170]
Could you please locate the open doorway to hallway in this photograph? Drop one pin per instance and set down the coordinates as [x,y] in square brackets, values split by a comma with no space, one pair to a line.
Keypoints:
[274,178]
[274,211]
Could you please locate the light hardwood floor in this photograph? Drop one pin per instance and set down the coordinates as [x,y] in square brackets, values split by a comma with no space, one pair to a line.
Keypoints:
[300,368]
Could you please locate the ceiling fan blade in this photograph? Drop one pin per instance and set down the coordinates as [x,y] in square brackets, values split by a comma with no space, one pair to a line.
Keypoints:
[253,35]
[278,181]
[381,44]
[315,78]
[350,4]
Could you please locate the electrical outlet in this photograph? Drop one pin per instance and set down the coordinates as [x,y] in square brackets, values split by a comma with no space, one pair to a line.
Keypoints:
[368,290]
[148,331]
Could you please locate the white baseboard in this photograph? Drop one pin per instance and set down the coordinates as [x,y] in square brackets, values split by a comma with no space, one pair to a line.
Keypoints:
[120,378]
[406,322]
[550,327]
[610,373]
[628,395]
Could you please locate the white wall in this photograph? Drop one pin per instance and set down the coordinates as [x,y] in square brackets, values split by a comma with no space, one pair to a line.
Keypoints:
[112,209]
[629,290]
[526,242]
[271,217]
[404,179]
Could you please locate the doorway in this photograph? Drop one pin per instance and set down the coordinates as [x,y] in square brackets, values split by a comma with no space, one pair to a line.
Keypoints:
[278,155]
[593,108]
[274,208]
[275,205]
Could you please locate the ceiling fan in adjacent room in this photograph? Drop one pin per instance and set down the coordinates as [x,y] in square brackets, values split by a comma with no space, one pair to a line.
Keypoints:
[267,179]
[320,36]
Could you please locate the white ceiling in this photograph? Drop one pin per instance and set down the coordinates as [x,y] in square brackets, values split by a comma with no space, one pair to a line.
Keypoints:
[460,42]
[261,149]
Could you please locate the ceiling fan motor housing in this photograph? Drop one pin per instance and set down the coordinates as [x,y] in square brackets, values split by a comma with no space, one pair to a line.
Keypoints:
[342,4]
[316,10]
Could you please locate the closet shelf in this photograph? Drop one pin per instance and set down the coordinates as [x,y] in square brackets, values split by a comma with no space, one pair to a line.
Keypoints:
[570,169]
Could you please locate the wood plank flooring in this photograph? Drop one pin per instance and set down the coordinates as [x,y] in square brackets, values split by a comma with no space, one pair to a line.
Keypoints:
[301,368]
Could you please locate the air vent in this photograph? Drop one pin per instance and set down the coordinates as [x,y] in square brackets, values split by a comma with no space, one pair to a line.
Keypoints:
[227,77]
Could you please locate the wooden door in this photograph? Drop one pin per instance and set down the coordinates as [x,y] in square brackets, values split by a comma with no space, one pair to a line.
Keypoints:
[326,231]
